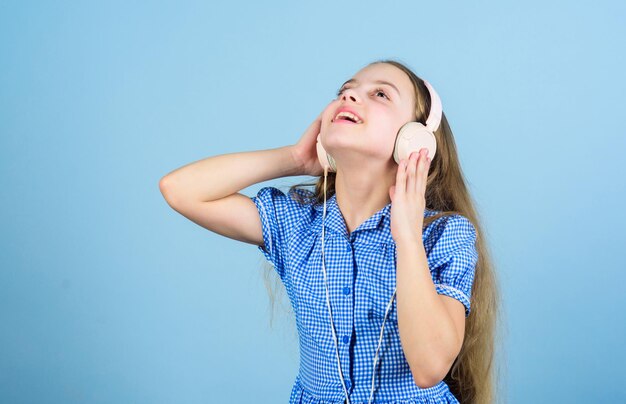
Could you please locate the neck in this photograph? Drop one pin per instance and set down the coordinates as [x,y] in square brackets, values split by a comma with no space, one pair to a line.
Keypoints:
[361,192]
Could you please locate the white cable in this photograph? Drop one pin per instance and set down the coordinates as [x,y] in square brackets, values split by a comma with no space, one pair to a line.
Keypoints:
[378,347]
[343,383]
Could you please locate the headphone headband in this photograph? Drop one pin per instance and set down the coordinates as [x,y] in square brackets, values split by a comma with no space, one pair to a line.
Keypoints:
[434,116]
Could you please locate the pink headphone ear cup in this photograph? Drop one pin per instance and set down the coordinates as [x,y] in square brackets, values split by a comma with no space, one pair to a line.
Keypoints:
[412,137]
[325,159]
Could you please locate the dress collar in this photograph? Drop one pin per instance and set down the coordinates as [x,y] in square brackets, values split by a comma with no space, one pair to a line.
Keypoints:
[335,221]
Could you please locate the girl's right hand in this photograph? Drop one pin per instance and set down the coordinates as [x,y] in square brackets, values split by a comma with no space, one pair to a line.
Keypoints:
[305,151]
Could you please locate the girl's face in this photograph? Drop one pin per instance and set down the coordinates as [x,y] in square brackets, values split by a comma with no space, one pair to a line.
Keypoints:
[383,97]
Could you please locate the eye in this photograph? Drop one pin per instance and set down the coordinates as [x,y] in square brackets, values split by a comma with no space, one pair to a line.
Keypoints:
[380,90]
[376,91]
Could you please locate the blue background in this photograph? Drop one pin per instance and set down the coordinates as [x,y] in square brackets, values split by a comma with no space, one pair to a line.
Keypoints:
[107,295]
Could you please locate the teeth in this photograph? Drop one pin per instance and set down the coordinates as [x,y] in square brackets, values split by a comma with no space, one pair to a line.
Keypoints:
[349,115]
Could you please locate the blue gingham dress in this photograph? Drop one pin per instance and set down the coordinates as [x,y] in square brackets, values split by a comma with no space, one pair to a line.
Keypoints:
[361,272]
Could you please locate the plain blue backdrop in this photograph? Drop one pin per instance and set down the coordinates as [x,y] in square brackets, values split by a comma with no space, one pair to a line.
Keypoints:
[107,295]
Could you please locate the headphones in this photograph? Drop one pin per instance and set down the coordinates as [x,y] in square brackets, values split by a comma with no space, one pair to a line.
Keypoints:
[411,137]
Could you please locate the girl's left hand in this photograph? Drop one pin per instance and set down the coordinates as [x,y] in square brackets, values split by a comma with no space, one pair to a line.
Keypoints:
[408,199]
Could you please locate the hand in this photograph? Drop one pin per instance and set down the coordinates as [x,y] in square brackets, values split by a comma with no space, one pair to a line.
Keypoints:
[408,199]
[305,151]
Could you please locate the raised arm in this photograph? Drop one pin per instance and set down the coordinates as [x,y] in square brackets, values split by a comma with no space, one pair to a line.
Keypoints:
[207,191]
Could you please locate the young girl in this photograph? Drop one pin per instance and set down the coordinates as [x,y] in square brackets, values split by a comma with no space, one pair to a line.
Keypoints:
[384,263]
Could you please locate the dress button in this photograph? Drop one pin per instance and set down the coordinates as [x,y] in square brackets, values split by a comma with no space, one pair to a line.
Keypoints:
[348,247]
[346,339]
[346,290]
[348,384]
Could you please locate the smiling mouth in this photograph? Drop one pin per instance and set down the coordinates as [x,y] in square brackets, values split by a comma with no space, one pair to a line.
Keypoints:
[347,116]
[344,121]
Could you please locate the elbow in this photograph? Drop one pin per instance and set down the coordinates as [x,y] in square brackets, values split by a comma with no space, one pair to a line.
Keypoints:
[165,186]
[432,377]
[425,382]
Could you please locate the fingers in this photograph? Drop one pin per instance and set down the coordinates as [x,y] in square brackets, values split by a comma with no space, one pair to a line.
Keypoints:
[422,173]
[412,174]
[400,188]
[411,170]
[417,173]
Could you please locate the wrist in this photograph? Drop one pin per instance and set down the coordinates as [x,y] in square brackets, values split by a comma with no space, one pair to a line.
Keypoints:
[410,242]
[292,161]
[297,163]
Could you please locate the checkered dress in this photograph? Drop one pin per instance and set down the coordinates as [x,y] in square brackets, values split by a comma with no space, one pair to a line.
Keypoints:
[361,272]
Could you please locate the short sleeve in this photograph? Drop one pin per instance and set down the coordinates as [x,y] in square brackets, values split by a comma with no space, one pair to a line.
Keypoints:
[453,260]
[279,214]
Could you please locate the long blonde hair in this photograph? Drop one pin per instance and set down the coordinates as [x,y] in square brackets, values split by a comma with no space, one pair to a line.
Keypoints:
[473,377]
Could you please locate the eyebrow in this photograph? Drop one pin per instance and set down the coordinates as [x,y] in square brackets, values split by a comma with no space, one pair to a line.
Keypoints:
[377,81]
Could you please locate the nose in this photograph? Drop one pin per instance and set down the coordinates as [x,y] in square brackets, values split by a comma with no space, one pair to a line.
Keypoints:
[351,94]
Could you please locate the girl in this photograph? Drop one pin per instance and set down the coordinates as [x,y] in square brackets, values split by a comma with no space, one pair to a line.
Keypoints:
[384,264]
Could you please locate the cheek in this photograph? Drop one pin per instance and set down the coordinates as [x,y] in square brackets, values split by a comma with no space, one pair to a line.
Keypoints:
[327,113]
[326,117]
[384,128]
[381,137]
[383,134]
